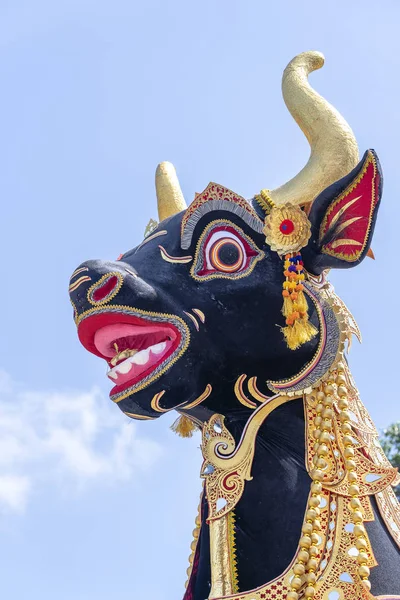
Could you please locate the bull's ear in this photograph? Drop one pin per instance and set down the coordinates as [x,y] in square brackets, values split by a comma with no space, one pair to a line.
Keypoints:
[343,218]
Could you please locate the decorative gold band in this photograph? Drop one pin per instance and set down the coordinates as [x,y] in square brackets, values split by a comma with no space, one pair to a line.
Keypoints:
[265,201]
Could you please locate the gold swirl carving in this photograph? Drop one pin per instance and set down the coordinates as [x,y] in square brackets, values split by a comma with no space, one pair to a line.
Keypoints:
[227,467]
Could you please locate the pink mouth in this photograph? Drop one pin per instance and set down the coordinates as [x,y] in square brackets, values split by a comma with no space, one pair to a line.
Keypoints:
[136,346]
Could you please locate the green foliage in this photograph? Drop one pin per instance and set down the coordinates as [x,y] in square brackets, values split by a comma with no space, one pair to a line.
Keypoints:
[391,445]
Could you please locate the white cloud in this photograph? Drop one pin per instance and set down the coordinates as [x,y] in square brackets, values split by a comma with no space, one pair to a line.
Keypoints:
[14,490]
[63,437]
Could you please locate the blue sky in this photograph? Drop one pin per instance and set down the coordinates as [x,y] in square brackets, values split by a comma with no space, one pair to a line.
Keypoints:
[93,95]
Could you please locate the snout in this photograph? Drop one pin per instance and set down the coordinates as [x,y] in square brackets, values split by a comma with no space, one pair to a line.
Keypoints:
[95,283]
[123,320]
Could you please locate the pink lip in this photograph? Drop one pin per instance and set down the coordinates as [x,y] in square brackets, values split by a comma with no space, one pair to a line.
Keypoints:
[130,336]
[154,342]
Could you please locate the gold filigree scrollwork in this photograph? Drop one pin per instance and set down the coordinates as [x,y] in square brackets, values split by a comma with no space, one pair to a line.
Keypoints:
[373,475]
[338,569]
[224,485]
[227,467]
[339,460]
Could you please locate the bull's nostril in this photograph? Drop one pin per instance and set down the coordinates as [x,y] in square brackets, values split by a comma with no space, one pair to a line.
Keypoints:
[105,289]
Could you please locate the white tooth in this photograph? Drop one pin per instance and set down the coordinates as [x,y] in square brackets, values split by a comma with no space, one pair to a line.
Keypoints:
[112,374]
[141,357]
[124,367]
[158,348]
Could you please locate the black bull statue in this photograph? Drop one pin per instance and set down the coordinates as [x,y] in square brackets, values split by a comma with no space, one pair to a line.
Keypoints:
[298,497]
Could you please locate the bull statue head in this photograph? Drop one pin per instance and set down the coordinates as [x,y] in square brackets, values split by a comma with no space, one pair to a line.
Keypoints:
[191,319]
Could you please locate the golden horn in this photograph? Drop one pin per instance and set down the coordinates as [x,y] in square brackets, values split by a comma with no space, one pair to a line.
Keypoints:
[169,195]
[334,150]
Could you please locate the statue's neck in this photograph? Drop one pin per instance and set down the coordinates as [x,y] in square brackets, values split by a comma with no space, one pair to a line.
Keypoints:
[267,520]
[269,516]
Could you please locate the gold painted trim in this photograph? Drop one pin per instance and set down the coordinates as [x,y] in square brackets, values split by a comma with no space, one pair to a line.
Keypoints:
[77,271]
[174,259]
[343,210]
[151,237]
[255,392]
[347,223]
[139,417]
[200,314]
[345,242]
[198,400]
[74,286]
[155,403]
[192,318]
[240,395]
[232,550]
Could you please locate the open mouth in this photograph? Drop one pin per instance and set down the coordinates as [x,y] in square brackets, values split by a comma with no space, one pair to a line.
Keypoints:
[137,349]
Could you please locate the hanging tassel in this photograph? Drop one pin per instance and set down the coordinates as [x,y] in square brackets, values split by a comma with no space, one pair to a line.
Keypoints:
[287,307]
[184,427]
[292,334]
[298,329]
[301,302]
[309,330]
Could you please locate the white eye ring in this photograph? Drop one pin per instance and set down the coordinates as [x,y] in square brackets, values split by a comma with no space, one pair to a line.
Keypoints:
[223,234]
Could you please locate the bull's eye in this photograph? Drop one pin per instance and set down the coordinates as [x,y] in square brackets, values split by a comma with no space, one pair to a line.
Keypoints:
[225,254]
[224,250]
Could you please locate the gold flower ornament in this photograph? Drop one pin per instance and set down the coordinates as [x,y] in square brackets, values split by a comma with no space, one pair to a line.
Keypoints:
[287,229]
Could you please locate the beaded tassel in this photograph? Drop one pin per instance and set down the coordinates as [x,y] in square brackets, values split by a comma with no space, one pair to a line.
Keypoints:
[298,329]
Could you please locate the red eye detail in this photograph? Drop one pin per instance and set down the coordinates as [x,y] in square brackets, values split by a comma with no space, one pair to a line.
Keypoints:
[286,227]
[226,255]
[224,251]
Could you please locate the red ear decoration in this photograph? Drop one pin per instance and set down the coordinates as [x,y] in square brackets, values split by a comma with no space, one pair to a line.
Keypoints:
[344,231]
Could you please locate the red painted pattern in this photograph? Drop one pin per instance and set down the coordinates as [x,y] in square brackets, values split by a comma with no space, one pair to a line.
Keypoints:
[356,218]
[105,289]
[286,227]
